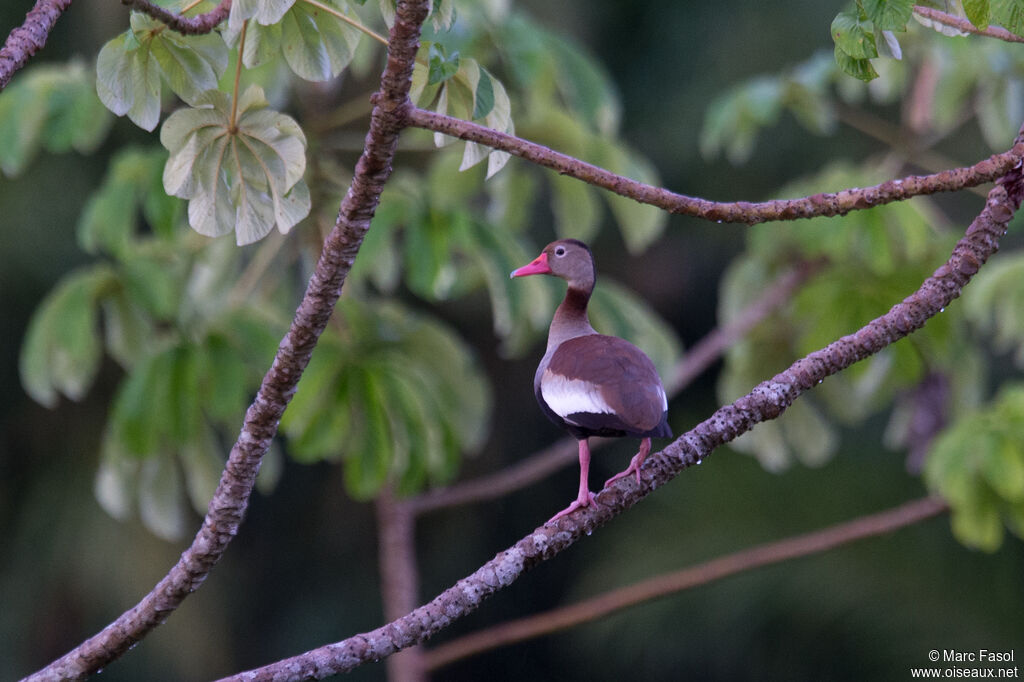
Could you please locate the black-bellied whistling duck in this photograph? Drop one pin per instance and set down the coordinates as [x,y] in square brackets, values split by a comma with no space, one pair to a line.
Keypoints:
[588,383]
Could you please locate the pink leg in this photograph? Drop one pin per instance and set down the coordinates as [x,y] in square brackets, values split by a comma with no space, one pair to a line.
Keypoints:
[585,497]
[634,464]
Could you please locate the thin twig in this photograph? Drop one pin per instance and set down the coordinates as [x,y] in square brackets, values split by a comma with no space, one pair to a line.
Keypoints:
[25,40]
[670,583]
[229,502]
[766,401]
[200,23]
[966,26]
[824,204]
[563,452]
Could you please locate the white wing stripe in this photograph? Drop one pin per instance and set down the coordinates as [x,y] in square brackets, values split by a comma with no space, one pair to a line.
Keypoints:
[570,396]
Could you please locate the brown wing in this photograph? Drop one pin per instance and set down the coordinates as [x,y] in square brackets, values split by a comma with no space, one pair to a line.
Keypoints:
[620,373]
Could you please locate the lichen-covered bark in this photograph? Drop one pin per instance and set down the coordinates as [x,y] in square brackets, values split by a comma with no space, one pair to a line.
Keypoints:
[29,38]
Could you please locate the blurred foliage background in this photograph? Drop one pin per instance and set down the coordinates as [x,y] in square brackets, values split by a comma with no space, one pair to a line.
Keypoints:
[735,100]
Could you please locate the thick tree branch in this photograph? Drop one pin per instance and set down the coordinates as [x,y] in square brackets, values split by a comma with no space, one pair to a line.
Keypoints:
[766,401]
[564,452]
[229,502]
[824,204]
[201,23]
[964,25]
[663,585]
[27,39]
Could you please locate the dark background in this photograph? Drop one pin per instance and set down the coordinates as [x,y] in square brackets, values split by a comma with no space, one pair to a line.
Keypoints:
[303,570]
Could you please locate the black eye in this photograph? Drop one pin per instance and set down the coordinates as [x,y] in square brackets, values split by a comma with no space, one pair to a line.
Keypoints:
[560,251]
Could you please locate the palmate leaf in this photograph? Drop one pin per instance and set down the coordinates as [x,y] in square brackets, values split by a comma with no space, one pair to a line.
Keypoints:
[399,397]
[472,93]
[62,348]
[50,106]
[131,67]
[316,45]
[110,220]
[246,178]
[977,464]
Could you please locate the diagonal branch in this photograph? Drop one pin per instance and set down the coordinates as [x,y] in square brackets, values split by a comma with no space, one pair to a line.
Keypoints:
[201,23]
[229,502]
[25,40]
[564,452]
[824,204]
[591,609]
[966,26]
[766,401]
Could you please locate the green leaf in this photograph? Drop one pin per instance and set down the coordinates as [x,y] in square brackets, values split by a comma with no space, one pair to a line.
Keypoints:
[587,88]
[978,525]
[891,15]
[1003,468]
[265,12]
[733,119]
[851,35]
[246,177]
[161,497]
[367,464]
[520,308]
[110,220]
[114,485]
[130,68]
[441,67]
[860,69]
[471,93]
[398,397]
[978,12]
[142,410]
[978,466]
[153,284]
[62,350]
[994,302]
[52,107]
[202,465]
[317,45]
[639,224]
[483,96]
[127,329]
[1009,14]
[442,15]
[576,208]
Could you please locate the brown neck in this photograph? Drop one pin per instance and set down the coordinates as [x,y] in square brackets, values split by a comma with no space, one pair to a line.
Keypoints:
[570,318]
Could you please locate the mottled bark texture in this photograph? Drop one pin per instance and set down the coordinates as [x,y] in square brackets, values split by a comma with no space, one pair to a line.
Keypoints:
[824,204]
[766,401]
[27,39]
[200,23]
[261,420]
